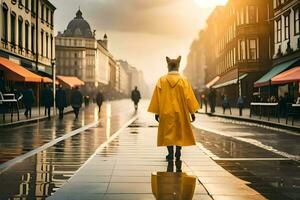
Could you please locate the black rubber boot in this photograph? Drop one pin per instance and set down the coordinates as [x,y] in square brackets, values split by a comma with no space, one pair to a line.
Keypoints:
[178,152]
[178,164]
[170,156]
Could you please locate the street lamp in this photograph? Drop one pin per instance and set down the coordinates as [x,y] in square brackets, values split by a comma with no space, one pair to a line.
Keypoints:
[53,61]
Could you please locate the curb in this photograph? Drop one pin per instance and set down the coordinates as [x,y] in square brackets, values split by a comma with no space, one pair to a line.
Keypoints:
[256,121]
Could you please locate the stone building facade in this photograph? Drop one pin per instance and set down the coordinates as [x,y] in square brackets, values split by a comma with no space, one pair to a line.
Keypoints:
[27,35]
[80,54]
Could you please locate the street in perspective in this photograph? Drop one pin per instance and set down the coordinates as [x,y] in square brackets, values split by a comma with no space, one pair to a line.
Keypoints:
[145,100]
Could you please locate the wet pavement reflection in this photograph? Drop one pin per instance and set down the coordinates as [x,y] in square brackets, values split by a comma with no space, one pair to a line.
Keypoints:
[268,172]
[41,175]
[173,185]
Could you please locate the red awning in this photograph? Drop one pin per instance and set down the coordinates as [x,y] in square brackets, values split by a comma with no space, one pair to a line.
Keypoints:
[289,76]
[70,80]
[212,82]
[15,72]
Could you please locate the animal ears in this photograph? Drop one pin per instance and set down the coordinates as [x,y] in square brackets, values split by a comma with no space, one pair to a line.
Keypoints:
[179,59]
[168,59]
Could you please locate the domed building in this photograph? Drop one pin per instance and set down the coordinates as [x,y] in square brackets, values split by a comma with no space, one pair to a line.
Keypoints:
[80,54]
[78,27]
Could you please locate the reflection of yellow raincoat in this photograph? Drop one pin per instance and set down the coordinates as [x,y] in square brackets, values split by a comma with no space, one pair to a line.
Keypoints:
[174,100]
[168,185]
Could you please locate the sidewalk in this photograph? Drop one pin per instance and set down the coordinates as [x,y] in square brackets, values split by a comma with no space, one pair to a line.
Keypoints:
[122,169]
[35,115]
[255,119]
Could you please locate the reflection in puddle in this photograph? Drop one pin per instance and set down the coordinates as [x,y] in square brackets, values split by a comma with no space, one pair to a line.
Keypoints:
[108,118]
[173,185]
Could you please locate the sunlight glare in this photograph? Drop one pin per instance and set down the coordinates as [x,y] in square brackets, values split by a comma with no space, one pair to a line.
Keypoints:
[211,3]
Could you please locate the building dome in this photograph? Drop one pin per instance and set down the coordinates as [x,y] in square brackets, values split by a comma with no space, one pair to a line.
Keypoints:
[78,27]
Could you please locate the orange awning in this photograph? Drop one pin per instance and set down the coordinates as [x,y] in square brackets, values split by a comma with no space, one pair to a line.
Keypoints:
[289,76]
[46,80]
[212,82]
[15,72]
[70,80]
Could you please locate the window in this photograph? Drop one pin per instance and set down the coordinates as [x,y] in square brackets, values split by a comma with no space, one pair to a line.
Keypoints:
[252,14]
[20,31]
[26,35]
[279,30]
[33,6]
[5,22]
[42,43]
[47,15]
[297,20]
[75,55]
[242,19]
[51,18]
[51,46]
[42,12]
[21,3]
[287,27]
[32,39]
[47,45]
[253,49]
[13,28]
[242,50]
[27,4]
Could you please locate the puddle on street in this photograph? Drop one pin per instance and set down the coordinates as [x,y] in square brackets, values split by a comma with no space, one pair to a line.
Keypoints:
[39,176]
[274,178]
[173,184]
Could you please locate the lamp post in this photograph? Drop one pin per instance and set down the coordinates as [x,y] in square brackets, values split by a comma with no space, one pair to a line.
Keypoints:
[53,61]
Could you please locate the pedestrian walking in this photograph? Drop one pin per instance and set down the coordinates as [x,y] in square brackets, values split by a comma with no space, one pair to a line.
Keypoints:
[174,104]
[28,101]
[61,101]
[135,97]
[225,104]
[76,100]
[47,100]
[240,104]
[99,100]
[212,100]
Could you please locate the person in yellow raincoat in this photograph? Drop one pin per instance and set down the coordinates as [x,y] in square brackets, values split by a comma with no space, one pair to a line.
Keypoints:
[174,104]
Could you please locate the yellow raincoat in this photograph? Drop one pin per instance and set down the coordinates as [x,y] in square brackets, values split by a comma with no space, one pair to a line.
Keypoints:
[174,100]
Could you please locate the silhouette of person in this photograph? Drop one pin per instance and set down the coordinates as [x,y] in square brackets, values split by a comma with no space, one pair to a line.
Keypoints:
[61,101]
[135,97]
[47,100]
[76,100]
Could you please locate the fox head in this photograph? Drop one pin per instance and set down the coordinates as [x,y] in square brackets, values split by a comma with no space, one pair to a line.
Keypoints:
[173,64]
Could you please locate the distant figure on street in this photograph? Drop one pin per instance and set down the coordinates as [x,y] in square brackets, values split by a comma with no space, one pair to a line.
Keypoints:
[61,101]
[47,100]
[28,101]
[99,100]
[212,100]
[240,104]
[76,100]
[174,104]
[135,97]
[225,104]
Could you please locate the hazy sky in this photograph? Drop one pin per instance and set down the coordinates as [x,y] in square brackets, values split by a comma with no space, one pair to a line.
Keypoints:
[143,32]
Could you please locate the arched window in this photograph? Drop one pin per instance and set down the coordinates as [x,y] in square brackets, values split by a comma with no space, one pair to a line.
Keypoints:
[32,39]
[27,35]
[5,22]
[42,43]
[20,31]
[13,28]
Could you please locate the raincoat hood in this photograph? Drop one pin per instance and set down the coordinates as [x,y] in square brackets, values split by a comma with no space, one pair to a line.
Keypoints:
[173,78]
